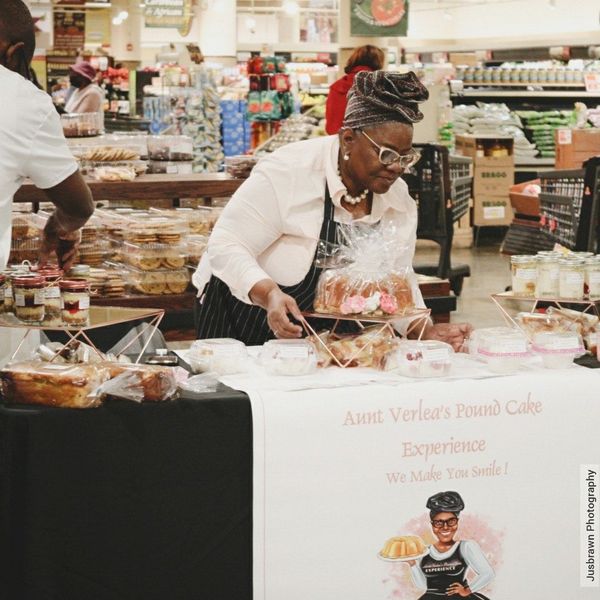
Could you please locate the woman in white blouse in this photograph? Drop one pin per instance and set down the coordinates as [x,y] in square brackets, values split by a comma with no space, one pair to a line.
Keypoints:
[443,571]
[258,273]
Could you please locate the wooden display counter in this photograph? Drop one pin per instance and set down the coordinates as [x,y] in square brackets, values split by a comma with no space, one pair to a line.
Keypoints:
[148,187]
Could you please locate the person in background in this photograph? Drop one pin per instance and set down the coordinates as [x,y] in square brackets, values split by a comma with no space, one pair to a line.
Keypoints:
[33,144]
[365,58]
[87,97]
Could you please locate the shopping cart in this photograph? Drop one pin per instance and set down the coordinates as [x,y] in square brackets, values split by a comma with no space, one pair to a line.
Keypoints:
[570,204]
[441,187]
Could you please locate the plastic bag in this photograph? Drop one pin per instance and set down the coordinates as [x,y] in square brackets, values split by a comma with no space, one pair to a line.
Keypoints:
[369,273]
[150,383]
[201,384]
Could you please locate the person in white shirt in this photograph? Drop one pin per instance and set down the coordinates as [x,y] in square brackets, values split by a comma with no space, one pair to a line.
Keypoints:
[259,267]
[32,144]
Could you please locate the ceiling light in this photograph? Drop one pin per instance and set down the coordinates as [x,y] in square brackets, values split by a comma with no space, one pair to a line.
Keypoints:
[291,7]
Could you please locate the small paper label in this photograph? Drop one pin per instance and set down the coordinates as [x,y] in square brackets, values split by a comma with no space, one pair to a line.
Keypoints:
[553,274]
[516,347]
[292,352]
[575,278]
[594,277]
[494,212]
[437,355]
[19,300]
[564,343]
[592,81]
[528,274]
[172,169]
[84,303]
[8,291]
[564,136]
[39,297]
[52,292]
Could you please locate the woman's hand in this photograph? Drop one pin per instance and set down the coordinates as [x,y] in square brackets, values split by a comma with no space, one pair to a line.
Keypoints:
[456,589]
[267,294]
[279,306]
[454,334]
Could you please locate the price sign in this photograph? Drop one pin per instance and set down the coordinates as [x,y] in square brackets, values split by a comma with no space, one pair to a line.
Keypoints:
[592,82]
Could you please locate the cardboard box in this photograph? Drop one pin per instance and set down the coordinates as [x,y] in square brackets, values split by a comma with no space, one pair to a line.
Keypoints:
[492,211]
[575,146]
[481,149]
[493,180]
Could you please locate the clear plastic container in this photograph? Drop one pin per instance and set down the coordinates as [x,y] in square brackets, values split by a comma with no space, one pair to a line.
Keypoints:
[592,276]
[196,246]
[159,167]
[547,276]
[421,358]
[224,356]
[170,147]
[75,296]
[240,166]
[94,254]
[82,124]
[289,357]
[524,274]
[158,283]
[25,250]
[558,349]
[155,230]
[502,351]
[52,314]
[154,257]
[571,278]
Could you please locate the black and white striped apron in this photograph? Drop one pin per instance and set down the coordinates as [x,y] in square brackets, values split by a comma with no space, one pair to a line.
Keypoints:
[222,315]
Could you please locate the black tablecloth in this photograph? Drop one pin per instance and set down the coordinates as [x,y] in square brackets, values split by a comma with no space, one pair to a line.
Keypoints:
[127,501]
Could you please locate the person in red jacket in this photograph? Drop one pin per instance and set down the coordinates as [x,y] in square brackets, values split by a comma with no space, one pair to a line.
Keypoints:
[364,58]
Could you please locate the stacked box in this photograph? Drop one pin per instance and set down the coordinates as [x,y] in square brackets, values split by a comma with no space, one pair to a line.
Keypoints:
[235,127]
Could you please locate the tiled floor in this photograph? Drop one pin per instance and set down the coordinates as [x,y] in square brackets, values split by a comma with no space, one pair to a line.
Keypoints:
[490,273]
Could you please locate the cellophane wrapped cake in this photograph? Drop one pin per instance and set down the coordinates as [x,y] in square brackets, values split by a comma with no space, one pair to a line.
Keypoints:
[368,274]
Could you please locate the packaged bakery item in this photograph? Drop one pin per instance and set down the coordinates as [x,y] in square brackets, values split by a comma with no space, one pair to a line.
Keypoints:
[27,226]
[240,166]
[29,298]
[196,246]
[94,254]
[503,351]
[288,357]
[152,257]
[369,348]
[223,356]
[36,382]
[159,167]
[82,124]
[532,323]
[571,279]
[371,275]
[148,383]
[75,297]
[170,148]
[420,358]
[574,320]
[120,173]
[27,249]
[592,276]
[106,153]
[524,274]
[156,283]
[558,349]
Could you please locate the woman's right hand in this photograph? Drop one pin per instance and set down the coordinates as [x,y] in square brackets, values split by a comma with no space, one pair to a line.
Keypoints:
[278,307]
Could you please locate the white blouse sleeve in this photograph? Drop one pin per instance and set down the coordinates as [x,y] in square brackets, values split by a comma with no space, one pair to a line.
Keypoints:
[477,561]
[249,224]
[418,576]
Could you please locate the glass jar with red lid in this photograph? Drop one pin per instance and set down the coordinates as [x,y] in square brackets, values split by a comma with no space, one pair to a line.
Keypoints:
[75,297]
[29,298]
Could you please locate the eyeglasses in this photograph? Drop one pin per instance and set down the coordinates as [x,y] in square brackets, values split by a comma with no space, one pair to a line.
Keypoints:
[388,157]
[439,523]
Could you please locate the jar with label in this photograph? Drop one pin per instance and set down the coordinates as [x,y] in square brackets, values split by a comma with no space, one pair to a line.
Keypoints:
[571,278]
[547,276]
[592,276]
[29,298]
[75,298]
[52,316]
[524,274]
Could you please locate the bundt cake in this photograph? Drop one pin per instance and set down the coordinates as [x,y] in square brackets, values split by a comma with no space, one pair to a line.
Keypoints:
[404,546]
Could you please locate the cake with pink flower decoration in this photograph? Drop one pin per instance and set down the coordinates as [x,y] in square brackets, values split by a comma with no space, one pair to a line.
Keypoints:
[341,292]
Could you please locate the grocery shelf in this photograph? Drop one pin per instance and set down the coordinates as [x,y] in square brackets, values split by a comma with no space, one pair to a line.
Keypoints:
[470,93]
[501,84]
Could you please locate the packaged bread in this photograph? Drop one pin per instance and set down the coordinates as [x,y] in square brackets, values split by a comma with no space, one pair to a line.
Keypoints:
[156,383]
[157,283]
[49,384]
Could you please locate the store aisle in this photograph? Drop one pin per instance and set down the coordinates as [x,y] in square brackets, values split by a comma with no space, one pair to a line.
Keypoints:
[489,274]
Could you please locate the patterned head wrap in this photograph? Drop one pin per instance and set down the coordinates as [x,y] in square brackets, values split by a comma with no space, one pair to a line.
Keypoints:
[445,502]
[380,96]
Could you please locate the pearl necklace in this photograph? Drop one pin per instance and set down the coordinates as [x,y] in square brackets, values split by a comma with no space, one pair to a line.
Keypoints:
[352,199]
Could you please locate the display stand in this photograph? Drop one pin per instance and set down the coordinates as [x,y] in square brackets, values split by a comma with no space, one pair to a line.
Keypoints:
[100,316]
[419,316]
[589,305]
